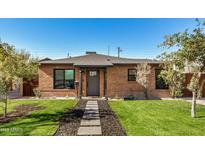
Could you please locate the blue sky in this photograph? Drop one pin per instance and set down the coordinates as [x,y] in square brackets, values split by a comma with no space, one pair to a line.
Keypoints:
[54,38]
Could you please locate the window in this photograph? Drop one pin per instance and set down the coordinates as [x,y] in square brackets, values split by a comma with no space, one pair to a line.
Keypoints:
[132,74]
[64,79]
[92,73]
[160,83]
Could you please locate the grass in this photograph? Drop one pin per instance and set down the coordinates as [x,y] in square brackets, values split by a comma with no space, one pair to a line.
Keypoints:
[159,118]
[40,122]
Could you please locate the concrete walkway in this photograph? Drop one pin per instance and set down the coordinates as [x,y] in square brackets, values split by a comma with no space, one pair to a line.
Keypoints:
[90,123]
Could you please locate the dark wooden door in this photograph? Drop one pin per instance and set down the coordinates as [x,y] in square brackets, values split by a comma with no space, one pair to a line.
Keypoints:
[28,86]
[93,83]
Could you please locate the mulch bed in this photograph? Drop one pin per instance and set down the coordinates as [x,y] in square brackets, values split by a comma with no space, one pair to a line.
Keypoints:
[70,122]
[20,111]
[109,122]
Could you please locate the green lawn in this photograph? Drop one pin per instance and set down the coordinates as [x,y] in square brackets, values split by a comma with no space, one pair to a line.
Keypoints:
[157,117]
[40,122]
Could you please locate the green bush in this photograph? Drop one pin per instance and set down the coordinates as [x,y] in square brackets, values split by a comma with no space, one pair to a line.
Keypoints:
[37,92]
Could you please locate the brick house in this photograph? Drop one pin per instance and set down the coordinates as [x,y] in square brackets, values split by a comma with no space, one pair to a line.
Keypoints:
[97,75]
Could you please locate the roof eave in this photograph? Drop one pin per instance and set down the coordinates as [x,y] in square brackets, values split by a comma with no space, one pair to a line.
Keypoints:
[93,65]
[55,63]
[136,63]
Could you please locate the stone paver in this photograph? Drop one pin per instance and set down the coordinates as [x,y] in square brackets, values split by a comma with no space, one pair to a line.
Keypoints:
[91,111]
[90,123]
[95,102]
[96,116]
[91,108]
[92,105]
[90,131]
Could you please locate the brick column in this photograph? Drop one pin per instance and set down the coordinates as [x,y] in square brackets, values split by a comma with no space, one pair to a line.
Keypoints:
[80,84]
[101,83]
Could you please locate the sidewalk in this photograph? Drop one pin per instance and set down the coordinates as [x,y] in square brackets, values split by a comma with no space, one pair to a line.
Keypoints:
[201,101]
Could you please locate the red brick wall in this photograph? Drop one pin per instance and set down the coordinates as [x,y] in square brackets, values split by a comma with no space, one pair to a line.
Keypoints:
[101,82]
[84,83]
[46,81]
[117,82]
[152,91]
[119,86]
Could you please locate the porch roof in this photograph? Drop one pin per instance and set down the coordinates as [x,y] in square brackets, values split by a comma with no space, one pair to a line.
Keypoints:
[94,59]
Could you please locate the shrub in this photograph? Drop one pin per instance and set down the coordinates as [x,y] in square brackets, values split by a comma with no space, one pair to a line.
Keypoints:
[37,92]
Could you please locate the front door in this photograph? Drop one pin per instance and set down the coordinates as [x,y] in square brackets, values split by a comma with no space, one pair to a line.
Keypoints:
[93,83]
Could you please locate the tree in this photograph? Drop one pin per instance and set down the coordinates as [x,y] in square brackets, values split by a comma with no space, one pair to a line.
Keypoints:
[4,88]
[14,65]
[191,49]
[172,73]
[143,71]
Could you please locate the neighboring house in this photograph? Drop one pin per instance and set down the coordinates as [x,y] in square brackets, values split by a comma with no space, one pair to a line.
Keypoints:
[97,75]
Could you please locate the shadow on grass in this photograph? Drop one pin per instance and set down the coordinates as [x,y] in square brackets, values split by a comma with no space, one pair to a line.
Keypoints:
[72,115]
[32,122]
[20,111]
[201,116]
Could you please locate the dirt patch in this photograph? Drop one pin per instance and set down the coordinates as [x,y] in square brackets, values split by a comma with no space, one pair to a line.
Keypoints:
[20,111]
[109,122]
[70,122]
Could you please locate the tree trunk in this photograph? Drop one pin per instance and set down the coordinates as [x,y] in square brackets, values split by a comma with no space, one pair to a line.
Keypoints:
[146,93]
[172,93]
[194,96]
[193,106]
[6,106]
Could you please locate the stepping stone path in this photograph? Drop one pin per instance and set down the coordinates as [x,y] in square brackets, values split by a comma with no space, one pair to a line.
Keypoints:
[90,123]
